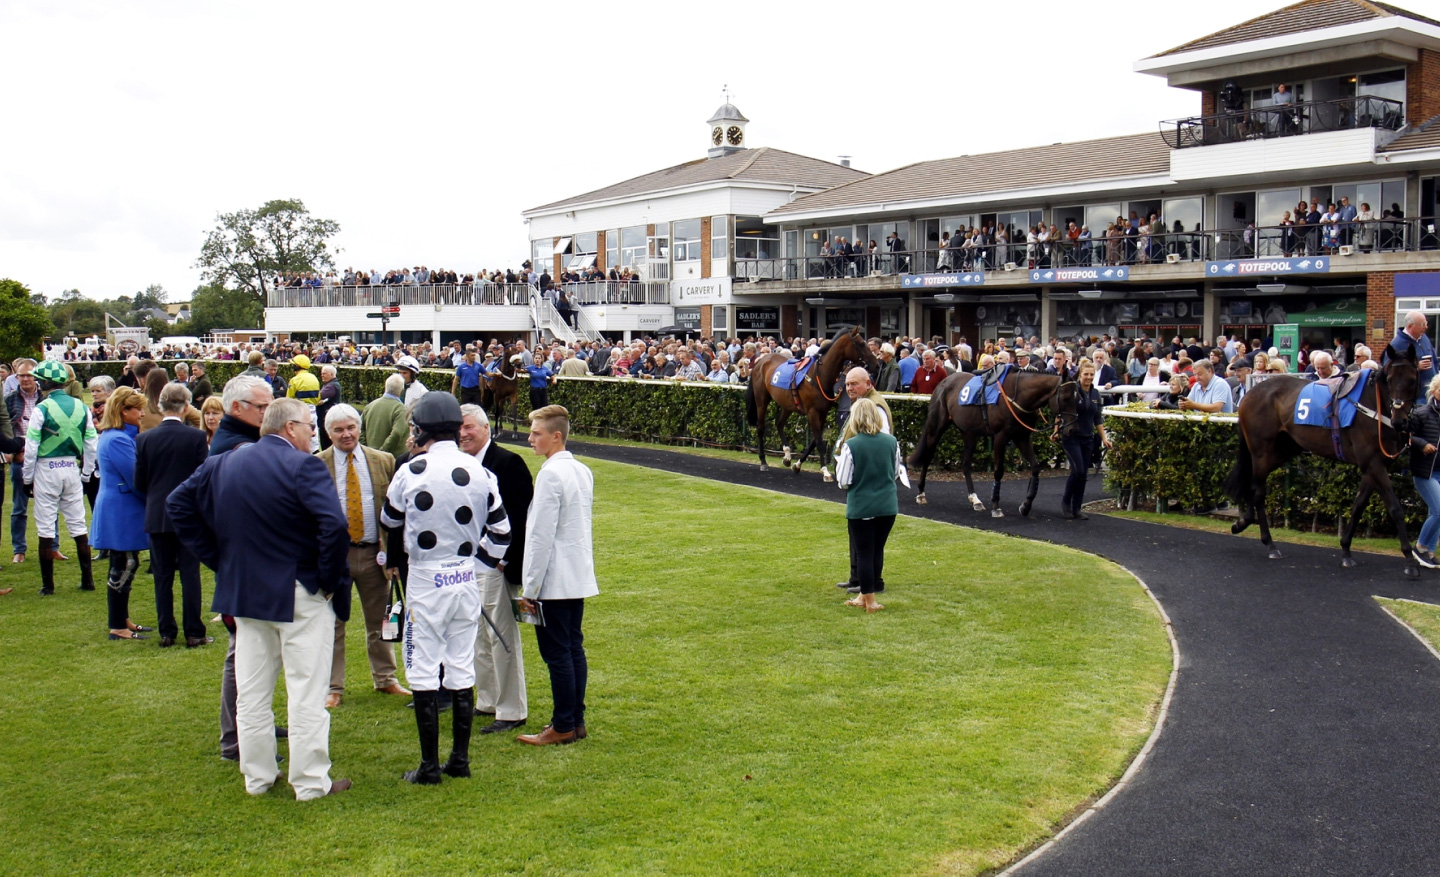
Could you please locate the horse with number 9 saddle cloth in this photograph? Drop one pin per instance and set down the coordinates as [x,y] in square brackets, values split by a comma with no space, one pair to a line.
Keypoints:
[984,388]
[1331,402]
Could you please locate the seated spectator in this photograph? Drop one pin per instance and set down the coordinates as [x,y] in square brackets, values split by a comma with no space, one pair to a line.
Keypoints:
[1209,395]
[1170,401]
[688,369]
[1153,378]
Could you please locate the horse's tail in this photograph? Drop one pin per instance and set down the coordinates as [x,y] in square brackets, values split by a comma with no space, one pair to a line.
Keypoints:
[1242,476]
[937,417]
[752,415]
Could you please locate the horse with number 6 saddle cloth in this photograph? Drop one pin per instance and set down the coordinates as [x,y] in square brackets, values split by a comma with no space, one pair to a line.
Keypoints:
[1332,403]
[791,374]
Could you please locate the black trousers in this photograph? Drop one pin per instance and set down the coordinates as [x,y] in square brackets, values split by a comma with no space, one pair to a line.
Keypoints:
[92,489]
[867,549]
[117,591]
[1078,451]
[539,397]
[470,395]
[168,556]
[562,647]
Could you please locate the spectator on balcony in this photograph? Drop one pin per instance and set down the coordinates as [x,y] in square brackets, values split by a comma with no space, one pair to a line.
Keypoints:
[1365,228]
[1348,215]
[1330,229]
[1313,217]
[1287,235]
[1289,121]
[896,246]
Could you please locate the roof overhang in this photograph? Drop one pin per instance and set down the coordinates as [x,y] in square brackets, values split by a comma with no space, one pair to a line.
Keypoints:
[708,186]
[1405,32]
[1403,158]
[988,198]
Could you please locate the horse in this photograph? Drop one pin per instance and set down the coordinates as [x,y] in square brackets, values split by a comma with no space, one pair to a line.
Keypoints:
[812,397]
[500,390]
[1014,418]
[1269,439]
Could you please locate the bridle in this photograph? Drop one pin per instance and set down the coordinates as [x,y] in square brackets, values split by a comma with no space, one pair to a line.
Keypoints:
[1053,400]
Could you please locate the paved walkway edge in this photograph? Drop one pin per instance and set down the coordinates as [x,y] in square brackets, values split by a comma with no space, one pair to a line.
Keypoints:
[1139,761]
[1405,624]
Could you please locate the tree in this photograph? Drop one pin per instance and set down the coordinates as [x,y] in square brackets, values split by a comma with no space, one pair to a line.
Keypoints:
[81,316]
[153,297]
[248,248]
[26,323]
[218,307]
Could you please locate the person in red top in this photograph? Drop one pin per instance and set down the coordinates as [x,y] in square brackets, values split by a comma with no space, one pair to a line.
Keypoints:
[929,375]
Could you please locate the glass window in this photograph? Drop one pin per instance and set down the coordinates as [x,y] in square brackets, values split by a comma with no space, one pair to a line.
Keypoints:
[719,320]
[756,240]
[660,241]
[612,248]
[585,242]
[541,252]
[632,245]
[1188,212]
[1389,84]
[687,240]
[1271,205]
[719,237]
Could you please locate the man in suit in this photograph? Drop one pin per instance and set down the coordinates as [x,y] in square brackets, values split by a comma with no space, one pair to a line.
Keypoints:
[559,571]
[164,457]
[285,594]
[362,475]
[500,666]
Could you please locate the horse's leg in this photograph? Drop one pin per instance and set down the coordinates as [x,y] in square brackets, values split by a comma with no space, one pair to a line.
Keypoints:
[1000,441]
[1026,445]
[782,419]
[762,411]
[1381,476]
[822,447]
[966,463]
[1263,468]
[1366,489]
[805,448]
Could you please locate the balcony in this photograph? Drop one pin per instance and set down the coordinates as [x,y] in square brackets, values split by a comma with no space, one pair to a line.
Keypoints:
[1288,120]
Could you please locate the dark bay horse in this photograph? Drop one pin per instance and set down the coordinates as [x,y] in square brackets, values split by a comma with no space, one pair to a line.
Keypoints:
[814,398]
[502,390]
[1014,418]
[1269,439]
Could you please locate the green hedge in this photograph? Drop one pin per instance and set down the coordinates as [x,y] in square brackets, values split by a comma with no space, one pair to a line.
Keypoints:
[1187,459]
[714,415]
[358,384]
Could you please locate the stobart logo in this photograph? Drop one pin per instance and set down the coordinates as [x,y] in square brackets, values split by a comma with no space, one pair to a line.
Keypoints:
[458,577]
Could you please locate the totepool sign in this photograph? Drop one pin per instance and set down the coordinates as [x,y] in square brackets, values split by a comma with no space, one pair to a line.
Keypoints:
[1095,274]
[923,281]
[1251,267]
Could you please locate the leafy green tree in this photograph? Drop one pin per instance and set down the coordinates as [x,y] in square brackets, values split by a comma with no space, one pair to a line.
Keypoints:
[248,248]
[153,297]
[218,307]
[81,316]
[26,323]
[159,328]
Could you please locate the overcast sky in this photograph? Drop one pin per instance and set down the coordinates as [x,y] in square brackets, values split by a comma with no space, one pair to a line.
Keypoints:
[425,128]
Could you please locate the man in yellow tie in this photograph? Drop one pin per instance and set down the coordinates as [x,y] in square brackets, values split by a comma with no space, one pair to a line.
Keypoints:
[362,476]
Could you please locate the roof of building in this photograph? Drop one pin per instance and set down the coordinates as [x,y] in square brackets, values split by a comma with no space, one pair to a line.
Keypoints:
[1134,155]
[1424,136]
[1299,17]
[762,165]
[728,113]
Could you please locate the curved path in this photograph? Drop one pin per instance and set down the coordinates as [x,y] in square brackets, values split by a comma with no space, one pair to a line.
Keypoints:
[1304,732]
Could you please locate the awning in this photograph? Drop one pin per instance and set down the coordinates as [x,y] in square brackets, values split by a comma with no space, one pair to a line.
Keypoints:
[561,246]
[1350,312]
[581,262]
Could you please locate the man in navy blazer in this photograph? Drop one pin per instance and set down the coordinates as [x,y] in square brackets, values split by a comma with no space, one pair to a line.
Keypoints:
[164,457]
[267,519]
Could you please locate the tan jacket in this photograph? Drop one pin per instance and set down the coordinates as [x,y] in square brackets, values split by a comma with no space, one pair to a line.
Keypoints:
[382,468]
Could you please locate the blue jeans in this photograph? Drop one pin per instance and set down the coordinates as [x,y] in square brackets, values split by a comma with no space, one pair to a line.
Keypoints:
[562,647]
[20,505]
[1429,490]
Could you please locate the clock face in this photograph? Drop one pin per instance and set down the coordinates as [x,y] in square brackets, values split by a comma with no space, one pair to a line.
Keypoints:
[735,135]
[717,135]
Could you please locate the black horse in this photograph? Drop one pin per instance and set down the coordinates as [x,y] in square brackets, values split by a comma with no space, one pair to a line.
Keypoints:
[1015,417]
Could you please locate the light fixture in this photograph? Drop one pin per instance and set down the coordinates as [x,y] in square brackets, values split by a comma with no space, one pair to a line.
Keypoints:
[815,301]
[946,297]
[1270,288]
[1090,293]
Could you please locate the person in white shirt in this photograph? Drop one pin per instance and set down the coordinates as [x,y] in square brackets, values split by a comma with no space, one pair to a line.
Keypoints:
[558,572]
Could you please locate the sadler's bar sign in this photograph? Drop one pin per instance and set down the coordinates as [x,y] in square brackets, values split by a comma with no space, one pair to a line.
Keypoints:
[1251,267]
[757,319]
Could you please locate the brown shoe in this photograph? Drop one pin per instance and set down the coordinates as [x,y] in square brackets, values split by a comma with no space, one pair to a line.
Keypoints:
[547,737]
[19,558]
[332,700]
[580,732]
[394,688]
[4,591]
[338,786]
[56,555]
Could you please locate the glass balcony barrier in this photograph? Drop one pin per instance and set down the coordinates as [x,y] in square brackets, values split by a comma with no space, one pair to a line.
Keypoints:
[1238,124]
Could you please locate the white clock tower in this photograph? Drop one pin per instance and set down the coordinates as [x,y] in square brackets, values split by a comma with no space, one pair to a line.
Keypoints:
[727,131]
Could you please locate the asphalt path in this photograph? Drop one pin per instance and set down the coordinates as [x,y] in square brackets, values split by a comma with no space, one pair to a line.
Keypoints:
[1303,736]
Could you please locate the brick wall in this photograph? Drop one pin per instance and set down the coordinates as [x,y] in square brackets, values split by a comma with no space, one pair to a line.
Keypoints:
[600,252]
[1207,103]
[1379,308]
[556,259]
[706,323]
[705,251]
[1422,86]
[789,321]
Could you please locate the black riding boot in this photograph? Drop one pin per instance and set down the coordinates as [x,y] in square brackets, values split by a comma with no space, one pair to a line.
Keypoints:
[47,567]
[461,720]
[82,553]
[427,719]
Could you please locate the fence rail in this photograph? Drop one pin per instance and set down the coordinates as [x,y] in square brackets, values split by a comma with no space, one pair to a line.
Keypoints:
[1283,120]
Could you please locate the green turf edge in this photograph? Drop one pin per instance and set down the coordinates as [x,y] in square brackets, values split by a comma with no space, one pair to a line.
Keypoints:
[1387,546]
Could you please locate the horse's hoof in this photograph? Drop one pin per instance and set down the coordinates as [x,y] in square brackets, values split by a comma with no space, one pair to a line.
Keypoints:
[825,473]
[1348,562]
[764,467]
[1275,554]
[1412,572]
[795,468]
[996,513]
[920,499]
[1236,528]
[1025,510]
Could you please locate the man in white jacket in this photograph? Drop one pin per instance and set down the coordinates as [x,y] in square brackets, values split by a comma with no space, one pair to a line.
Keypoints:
[558,571]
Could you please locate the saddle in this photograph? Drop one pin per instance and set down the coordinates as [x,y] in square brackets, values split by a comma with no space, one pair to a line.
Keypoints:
[984,388]
[1331,402]
[790,375]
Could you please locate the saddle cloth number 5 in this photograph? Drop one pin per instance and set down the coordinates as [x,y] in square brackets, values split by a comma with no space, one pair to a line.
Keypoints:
[1303,409]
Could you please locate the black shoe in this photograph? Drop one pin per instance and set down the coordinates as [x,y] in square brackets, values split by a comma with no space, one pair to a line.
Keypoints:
[47,592]
[1424,558]
[500,725]
[1067,514]
[845,586]
[282,733]
[1081,516]
[167,641]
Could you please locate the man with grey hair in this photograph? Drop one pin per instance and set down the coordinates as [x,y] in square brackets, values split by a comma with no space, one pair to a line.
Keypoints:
[245,400]
[362,476]
[499,662]
[1415,334]
[383,425]
[330,396]
[164,457]
[128,378]
[285,598]
[1323,365]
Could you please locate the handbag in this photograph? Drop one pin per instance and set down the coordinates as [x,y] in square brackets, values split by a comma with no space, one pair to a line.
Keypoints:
[391,626]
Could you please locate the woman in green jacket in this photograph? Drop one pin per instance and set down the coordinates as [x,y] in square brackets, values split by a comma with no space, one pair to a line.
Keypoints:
[868,468]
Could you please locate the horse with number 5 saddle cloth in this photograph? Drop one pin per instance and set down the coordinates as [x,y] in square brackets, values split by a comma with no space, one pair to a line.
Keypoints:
[1360,420]
[1004,403]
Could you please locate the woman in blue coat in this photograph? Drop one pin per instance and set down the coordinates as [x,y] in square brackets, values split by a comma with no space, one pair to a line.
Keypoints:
[118,524]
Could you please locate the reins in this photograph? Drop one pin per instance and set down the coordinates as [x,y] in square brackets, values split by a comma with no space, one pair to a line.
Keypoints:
[1044,421]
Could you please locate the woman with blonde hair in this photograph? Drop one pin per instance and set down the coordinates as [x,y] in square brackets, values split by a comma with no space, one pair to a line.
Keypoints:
[211,413]
[118,525]
[867,470]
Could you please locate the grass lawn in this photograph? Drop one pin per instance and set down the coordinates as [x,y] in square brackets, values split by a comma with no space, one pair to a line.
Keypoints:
[741,719]
[1423,617]
[1379,545]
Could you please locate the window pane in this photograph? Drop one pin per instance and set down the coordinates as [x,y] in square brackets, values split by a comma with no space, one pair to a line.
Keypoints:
[719,237]
[1189,212]
[685,230]
[633,236]
[585,242]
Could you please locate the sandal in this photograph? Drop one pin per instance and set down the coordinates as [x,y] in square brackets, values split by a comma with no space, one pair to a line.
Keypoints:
[872,609]
[133,635]
[855,602]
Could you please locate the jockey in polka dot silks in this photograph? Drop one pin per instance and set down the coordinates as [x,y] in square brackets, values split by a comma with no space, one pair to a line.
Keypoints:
[450,508]
[60,430]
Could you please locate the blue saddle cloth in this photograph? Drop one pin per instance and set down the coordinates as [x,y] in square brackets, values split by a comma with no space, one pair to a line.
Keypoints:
[1313,407]
[791,374]
[984,388]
